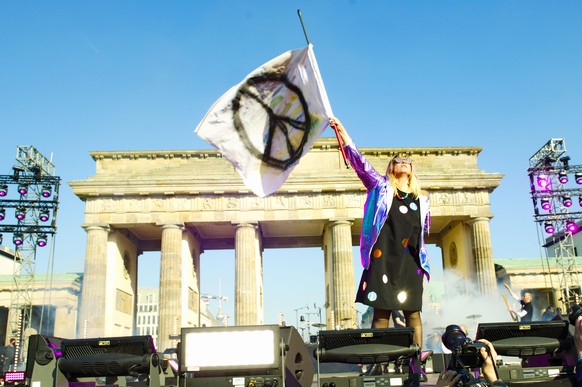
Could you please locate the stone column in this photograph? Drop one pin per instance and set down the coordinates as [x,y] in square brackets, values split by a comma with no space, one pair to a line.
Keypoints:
[248,300]
[342,276]
[170,307]
[483,255]
[94,309]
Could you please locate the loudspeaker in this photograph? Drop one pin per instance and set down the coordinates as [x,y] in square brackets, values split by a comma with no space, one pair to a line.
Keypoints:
[41,360]
[298,366]
[438,362]
[524,339]
[366,346]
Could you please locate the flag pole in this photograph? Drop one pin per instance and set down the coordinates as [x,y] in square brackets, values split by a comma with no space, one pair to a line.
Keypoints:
[333,127]
[303,27]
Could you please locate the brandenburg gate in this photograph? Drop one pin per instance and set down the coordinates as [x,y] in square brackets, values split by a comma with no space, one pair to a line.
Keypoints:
[182,203]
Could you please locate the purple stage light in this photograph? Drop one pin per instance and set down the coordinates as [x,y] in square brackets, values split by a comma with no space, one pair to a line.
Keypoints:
[578,177]
[41,240]
[543,181]
[2,214]
[549,227]
[14,376]
[567,200]
[46,191]
[546,205]
[3,190]
[44,215]
[20,213]
[17,239]
[562,177]
[571,226]
[22,189]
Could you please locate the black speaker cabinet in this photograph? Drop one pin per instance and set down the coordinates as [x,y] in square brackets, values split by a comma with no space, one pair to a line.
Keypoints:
[366,346]
[41,360]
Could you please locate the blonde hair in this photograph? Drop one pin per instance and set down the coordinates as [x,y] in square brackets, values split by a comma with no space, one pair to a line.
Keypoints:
[413,181]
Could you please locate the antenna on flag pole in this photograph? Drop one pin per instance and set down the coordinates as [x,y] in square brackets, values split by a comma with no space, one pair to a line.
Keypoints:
[303,26]
[333,127]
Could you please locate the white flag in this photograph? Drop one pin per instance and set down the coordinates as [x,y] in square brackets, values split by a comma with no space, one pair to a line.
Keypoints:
[266,123]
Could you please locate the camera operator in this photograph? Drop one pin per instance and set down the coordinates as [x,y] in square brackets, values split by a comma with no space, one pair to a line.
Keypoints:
[449,378]
[576,319]
[468,354]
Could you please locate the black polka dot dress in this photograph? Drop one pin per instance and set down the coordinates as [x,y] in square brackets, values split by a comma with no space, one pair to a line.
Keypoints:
[393,281]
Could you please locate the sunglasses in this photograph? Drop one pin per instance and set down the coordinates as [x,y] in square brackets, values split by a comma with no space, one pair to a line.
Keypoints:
[405,160]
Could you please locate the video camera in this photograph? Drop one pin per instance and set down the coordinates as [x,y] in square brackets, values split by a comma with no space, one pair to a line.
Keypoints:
[464,356]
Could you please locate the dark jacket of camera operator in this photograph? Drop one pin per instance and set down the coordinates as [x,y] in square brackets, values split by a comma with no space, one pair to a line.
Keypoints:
[576,318]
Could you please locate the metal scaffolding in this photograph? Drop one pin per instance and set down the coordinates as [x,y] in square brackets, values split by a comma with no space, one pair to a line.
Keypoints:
[32,190]
[555,210]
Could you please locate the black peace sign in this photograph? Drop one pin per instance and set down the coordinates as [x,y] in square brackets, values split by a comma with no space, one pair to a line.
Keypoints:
[264,90]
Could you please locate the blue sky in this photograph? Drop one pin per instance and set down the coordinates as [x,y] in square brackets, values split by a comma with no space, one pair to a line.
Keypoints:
[81,76]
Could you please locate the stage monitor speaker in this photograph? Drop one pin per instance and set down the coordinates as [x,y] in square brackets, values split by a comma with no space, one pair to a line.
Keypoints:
[366,346]
[43,353]
[259,355]
[524,339]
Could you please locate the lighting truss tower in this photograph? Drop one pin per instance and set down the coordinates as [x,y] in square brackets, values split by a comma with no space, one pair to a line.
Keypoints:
[557,203]
[32,192]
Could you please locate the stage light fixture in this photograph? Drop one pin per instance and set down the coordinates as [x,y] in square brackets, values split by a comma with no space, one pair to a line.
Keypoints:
[562,177]
[580,201]
[46,191]
[567,200]
[20,213]
[23,189]
[2,214]
[41,240]
[44,215]
[1,238]
[252,353]
[543,181]
[571,226]
[3,190]
[12,377]
[18,239]
[546,205]
[578,177]
[263,340]
[549,227]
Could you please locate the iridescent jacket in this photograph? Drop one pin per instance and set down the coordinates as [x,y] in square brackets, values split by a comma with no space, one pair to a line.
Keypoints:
[378,201]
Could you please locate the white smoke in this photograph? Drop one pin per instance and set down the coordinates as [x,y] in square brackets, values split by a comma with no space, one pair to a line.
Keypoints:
[461,304]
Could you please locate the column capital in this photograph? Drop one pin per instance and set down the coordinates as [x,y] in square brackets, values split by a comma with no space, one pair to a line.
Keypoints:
[96,227]
[237,224]
[478,220]
[338,221]
[177,225]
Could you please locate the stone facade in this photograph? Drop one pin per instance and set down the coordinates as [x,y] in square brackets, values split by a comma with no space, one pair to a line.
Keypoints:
[58,294]
[182,203]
